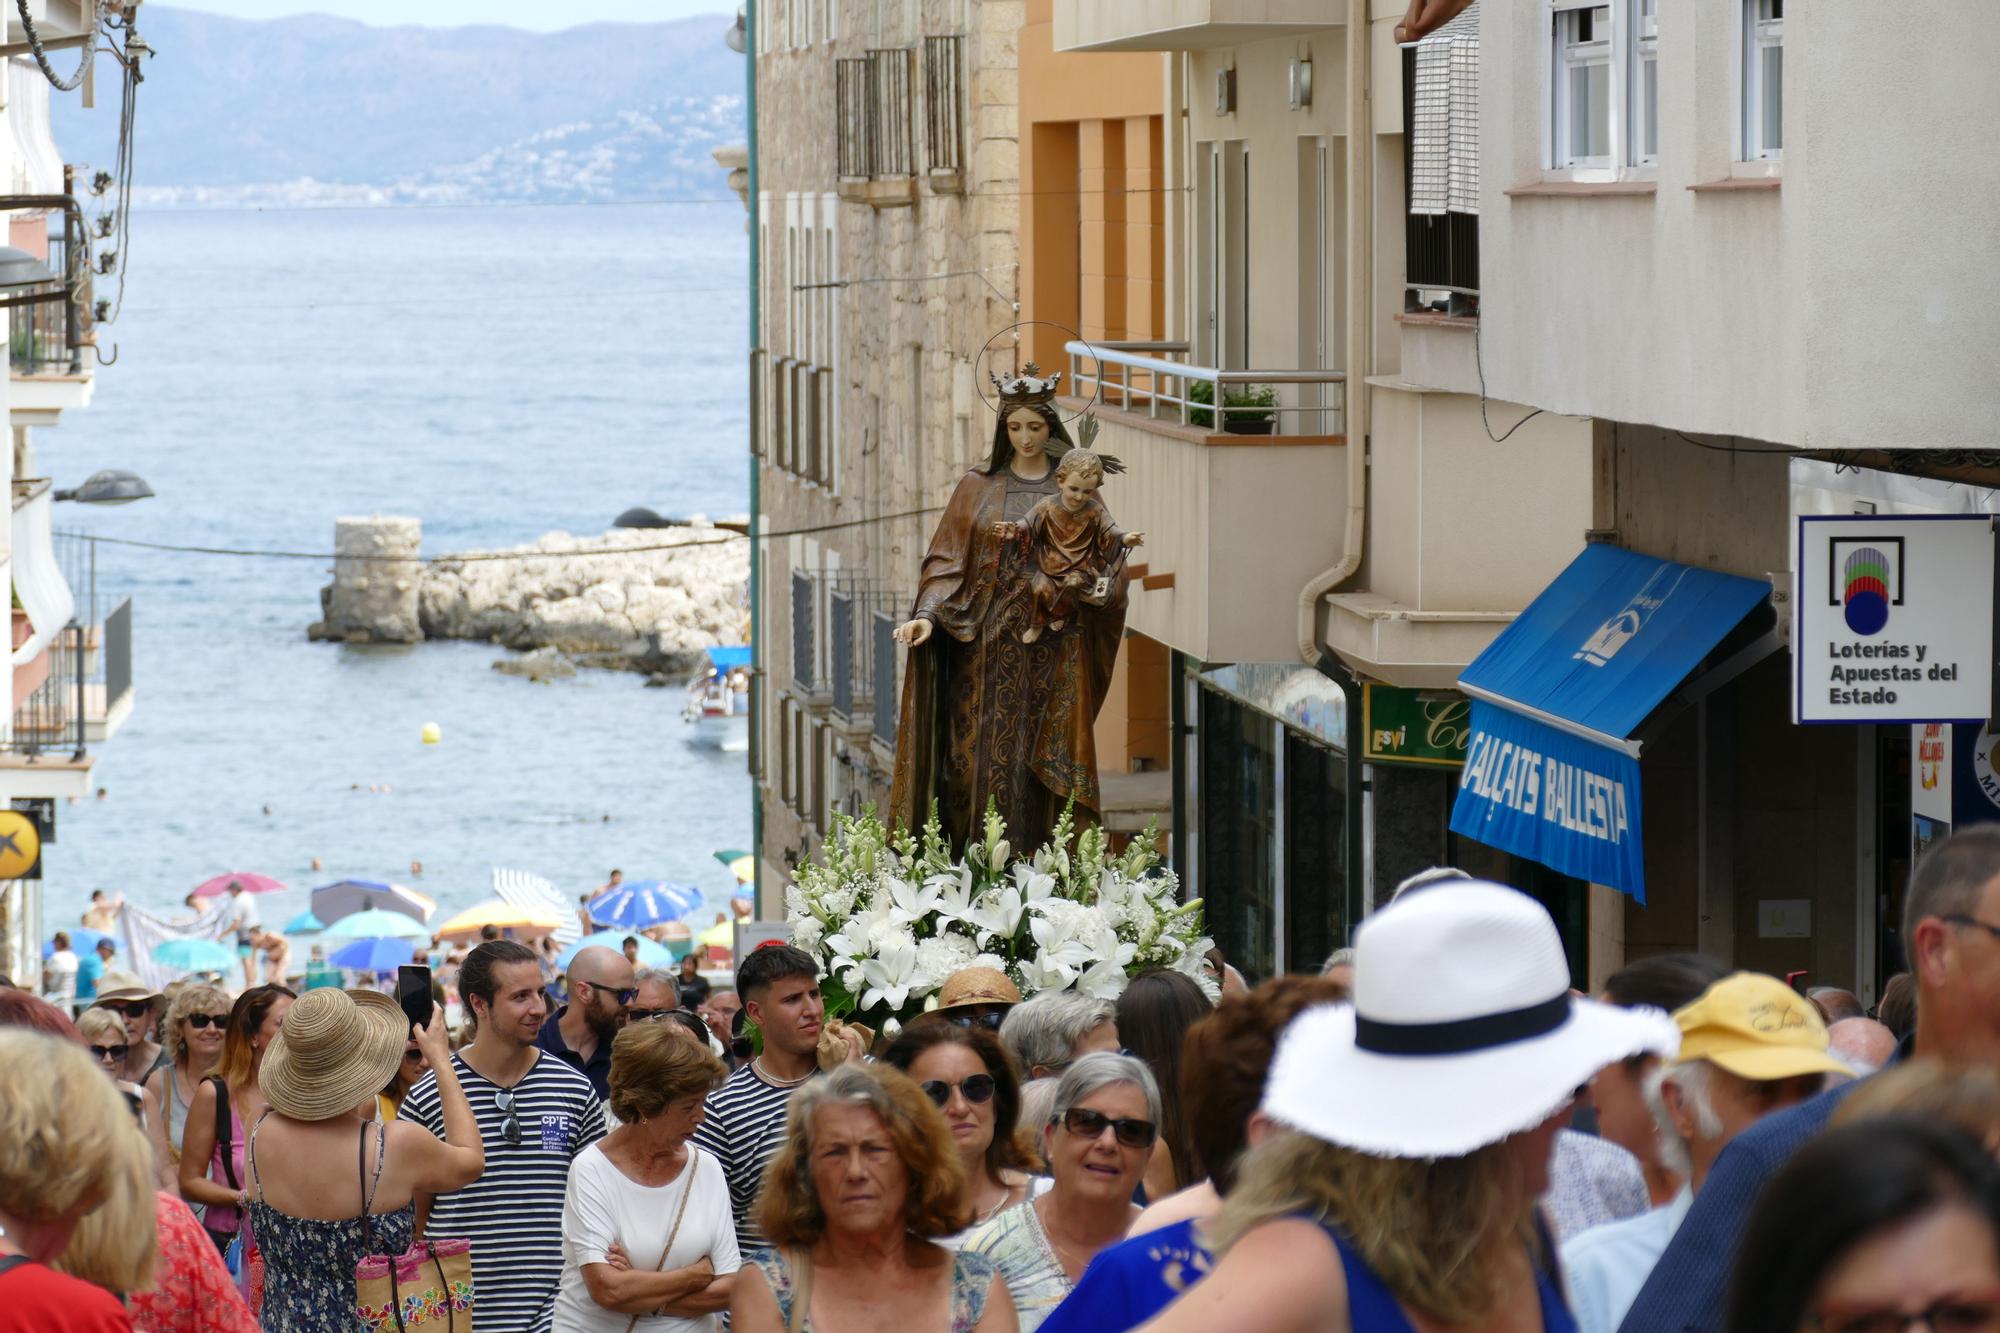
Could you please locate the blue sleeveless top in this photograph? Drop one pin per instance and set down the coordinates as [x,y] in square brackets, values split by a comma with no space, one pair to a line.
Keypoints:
[1372,1307]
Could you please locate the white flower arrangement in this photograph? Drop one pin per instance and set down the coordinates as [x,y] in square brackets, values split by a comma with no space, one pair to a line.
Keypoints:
[889,918]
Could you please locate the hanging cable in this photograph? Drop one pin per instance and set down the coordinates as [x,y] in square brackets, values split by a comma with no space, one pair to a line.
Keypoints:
[42,55]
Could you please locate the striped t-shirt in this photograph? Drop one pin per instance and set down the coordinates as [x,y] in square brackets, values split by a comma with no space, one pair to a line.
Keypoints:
[513,1213]
[745,1129]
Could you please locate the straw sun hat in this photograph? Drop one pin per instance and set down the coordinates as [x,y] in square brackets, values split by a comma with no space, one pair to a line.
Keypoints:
[1462,1031]
[336,1049]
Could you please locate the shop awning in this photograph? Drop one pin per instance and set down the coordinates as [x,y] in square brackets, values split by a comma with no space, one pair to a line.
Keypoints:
[1561,699]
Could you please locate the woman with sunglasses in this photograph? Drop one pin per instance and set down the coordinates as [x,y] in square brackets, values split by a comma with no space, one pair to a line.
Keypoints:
[969,1076]
[194,1032]
[212,1145]
[125,995]
[414,1066]
[1098,1140]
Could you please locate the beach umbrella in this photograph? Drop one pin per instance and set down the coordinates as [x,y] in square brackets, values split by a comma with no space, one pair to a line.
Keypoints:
[305,923]
[374,955]
[741,864]
[721,935]
[251,882]
[195,955]
[501,915]
[651,954]
[331,902]
[377,924]
[82,939]
[527,890]
[645,903]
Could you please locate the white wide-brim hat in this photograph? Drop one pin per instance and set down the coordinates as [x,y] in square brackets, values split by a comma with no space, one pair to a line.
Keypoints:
[1462,1031]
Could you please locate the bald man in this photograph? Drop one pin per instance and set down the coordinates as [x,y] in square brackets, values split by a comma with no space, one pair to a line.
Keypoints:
[601,989]
[1862,1044]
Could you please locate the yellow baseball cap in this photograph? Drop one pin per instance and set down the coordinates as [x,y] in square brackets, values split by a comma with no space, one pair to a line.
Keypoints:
[1755,1027]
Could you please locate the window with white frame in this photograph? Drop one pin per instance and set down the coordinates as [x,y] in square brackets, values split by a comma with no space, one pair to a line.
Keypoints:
[1645,55]
[1581,86]
[1763,80]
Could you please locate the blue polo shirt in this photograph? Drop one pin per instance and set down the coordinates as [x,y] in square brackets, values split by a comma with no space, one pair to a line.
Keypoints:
[597,1069]
[89,967]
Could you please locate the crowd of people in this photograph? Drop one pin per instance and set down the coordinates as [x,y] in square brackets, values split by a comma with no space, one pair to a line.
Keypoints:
[1436,1132]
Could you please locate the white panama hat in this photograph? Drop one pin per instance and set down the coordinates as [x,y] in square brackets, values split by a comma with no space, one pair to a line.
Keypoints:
[1462,1031]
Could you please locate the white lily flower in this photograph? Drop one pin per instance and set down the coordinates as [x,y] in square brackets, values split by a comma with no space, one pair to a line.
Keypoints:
[1106,978]
[1060,940]
[889,975]
[1033,885]
[1045,973]
[953,895]
[999,914]
[911,902]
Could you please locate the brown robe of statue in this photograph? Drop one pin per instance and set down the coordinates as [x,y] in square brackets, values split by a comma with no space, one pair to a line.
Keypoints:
[986,716]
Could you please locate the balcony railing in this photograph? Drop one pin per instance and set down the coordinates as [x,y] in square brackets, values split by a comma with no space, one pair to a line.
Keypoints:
[1440,250]
[107,638]
[1143,377]
[55,717]
[851,608]
[852,113]
[944,100]
[47,338]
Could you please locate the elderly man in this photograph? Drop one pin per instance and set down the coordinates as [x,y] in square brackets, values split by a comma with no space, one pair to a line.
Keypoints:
[601,989]
[1951,931]
[1050,1029]
[1750,1045]
[1862,1044]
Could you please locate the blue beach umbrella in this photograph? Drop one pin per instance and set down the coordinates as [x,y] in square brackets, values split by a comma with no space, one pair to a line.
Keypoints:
[195,955]
[305,923]
[377,924]
[330,902]
[374,955]
[82,939]
[645,903]
[651,953]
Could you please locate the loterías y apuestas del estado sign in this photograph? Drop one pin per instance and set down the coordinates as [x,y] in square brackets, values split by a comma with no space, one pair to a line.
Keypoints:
[1893,618]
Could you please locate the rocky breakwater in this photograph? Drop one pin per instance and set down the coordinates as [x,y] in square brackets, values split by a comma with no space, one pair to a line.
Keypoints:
[643,600]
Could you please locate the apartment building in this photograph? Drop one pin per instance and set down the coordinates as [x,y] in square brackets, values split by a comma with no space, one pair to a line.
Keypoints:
[1526,297]
[70,663]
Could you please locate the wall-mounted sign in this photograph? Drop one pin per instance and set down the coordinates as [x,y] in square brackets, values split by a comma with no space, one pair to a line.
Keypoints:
[1424,727]
[1893,618]
[20,846]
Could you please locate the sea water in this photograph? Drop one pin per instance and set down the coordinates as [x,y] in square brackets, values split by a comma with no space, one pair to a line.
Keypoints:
[499,373]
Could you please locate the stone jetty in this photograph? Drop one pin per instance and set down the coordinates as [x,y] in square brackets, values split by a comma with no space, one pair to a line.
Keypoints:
[644,600]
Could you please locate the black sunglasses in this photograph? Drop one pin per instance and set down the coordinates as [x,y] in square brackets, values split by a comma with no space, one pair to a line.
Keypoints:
[978,1089]
[649,1015]
[1092,1124]
[625,997]
[114,1052]
[129,1008]
[200,1021]
[988,1020]
[510,1130]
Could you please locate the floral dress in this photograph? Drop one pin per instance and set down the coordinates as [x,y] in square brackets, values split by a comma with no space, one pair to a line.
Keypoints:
[192,1291]
[309,1262]
[971,1280]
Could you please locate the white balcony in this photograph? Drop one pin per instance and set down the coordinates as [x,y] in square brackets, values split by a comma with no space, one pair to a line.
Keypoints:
[1235,523]
[1185,25]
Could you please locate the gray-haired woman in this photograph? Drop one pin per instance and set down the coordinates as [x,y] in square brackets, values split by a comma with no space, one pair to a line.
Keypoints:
[1098,1139]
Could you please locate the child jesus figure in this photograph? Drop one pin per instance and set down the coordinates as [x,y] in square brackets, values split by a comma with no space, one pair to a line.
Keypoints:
[1074,548]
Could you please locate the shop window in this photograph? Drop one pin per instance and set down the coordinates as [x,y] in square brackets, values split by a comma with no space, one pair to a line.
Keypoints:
[1238,830]
[1315,794]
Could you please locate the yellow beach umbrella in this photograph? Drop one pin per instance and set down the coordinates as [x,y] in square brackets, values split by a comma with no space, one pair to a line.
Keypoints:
[501,915]
[721,935]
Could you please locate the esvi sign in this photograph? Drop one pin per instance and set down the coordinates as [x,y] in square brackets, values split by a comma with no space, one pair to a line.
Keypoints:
[1552,797]
[1893,618]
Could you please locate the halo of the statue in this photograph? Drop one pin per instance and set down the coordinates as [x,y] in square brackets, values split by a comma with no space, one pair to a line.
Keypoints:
[982,385]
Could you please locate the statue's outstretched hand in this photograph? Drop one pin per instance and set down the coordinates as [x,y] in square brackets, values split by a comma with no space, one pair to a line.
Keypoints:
[914,632]
[1135,539]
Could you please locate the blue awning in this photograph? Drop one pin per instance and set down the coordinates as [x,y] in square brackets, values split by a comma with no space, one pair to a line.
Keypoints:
[731,656]
[1551,770]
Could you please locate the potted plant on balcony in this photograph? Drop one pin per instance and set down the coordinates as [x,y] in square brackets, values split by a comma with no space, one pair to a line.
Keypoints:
[1250,410]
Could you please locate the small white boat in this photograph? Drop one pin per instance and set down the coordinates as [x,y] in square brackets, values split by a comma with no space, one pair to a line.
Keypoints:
[717,711]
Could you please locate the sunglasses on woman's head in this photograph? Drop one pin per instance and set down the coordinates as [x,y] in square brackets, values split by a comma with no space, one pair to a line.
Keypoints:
[1092,1124]
[978,1089]
[200,1021]
[111,1052]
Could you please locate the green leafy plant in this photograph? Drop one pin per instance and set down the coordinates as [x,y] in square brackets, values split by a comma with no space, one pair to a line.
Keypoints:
[1251,402]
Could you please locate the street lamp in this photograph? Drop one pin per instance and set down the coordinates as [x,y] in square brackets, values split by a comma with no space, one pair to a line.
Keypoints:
[734,39]
[112,486]
[642,517]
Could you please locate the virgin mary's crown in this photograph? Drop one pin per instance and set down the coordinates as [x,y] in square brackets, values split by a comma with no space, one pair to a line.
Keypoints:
[1026,388]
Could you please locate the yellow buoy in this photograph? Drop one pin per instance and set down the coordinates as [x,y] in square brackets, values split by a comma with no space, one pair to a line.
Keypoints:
[433,733]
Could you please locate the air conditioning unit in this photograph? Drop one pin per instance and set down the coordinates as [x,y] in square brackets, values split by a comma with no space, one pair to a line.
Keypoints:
[1225,92]
[1302,84]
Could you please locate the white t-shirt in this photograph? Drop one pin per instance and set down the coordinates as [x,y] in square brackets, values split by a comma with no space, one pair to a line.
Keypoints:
[245,915]
[606,1205]
[61,967]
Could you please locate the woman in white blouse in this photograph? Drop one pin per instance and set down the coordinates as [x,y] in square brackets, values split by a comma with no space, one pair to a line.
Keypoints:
[646,1227]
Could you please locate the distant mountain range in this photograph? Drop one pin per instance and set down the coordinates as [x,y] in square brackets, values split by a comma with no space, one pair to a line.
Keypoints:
[323,110]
